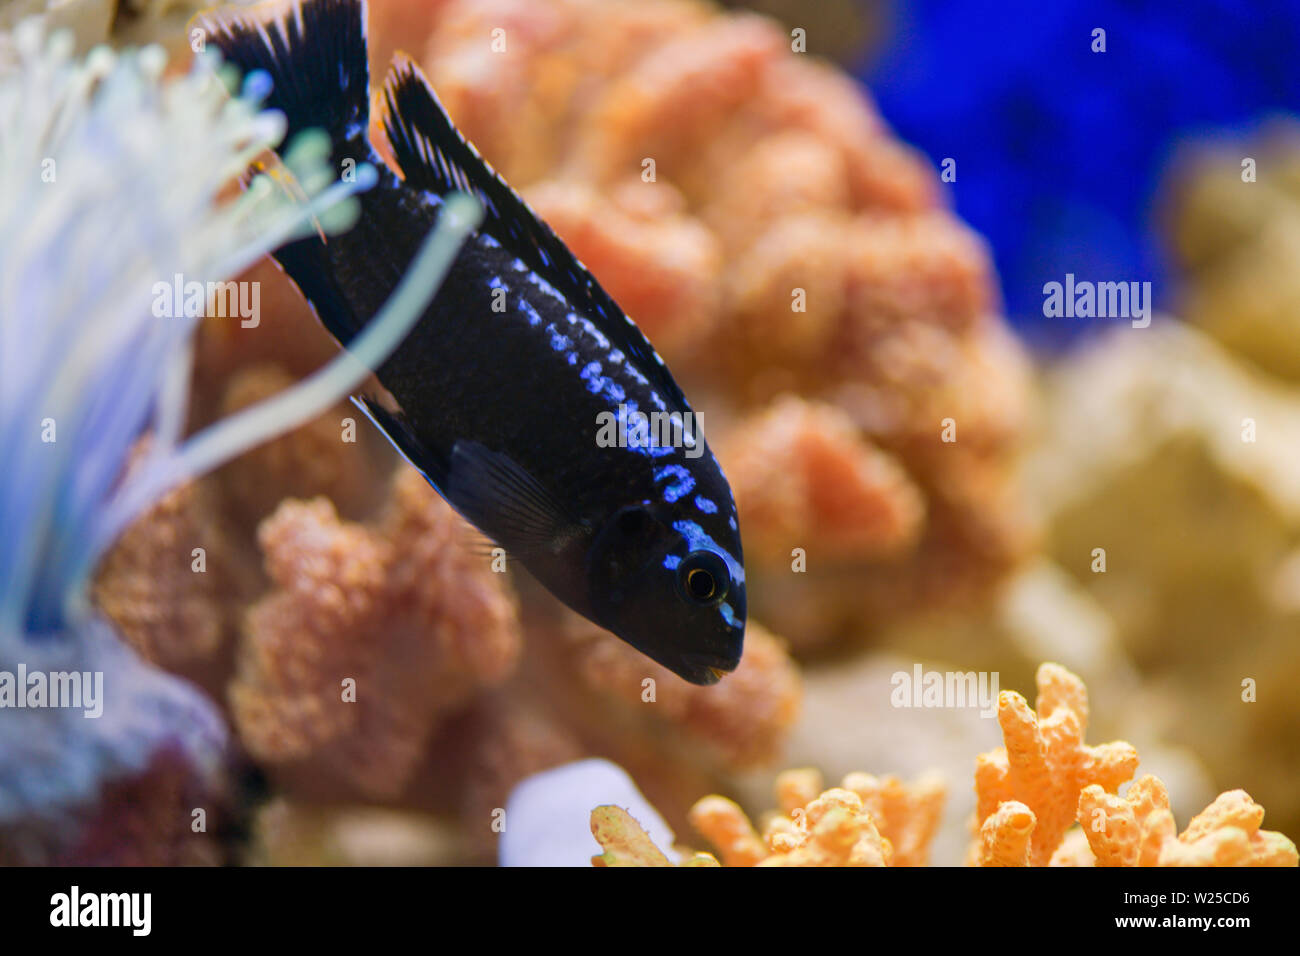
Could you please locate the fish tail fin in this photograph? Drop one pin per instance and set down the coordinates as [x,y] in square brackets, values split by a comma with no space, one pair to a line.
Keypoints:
[315,54]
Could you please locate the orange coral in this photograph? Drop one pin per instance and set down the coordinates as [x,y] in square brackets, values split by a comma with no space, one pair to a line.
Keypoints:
[661,267]
[725,825]
[1031,792]
[804,476]
[1005,835]
[907,813]
[1128,830]
[871,821]
[833,830]
[866,822]
[1045,763]
[405,612]
[165,600]
[743,718]
[335,455]
[1138,830]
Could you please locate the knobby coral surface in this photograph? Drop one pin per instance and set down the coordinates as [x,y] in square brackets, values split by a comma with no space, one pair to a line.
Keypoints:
[1139,830]
[1045,763]
[626,843]
[865,822]
[1030,795]
[1031,792]
[368,637]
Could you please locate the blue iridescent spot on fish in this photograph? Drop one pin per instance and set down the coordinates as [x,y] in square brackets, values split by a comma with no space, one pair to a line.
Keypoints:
[496,407]
[682,482]
[591,375]
[545,286]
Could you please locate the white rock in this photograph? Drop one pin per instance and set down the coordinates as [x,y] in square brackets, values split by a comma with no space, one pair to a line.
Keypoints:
[548,815]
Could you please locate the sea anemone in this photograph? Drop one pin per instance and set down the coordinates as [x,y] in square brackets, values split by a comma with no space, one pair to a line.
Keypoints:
[116,184]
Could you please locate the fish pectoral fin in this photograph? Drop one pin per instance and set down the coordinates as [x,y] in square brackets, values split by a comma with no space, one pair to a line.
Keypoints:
[403,438]
[506,502]
[487,488]
[481,546]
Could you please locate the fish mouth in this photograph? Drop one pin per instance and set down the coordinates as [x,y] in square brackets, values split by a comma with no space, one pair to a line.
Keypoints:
[705,669]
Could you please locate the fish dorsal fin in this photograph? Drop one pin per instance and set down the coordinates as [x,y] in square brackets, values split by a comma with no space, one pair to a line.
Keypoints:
[434,156]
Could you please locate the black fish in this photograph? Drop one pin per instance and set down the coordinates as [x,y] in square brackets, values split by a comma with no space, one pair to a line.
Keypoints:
[502,409]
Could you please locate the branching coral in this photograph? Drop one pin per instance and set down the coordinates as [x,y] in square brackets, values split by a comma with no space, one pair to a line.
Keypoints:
[865,822]
[908,813]
[834,830]
[1004,836]
[1031,792]
[1139,830]
[1045,763]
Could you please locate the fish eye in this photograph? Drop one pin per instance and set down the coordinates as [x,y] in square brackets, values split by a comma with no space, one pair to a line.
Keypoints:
[703,578]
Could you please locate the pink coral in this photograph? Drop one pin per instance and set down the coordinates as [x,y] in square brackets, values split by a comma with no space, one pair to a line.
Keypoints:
[743,719]
[369,638]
